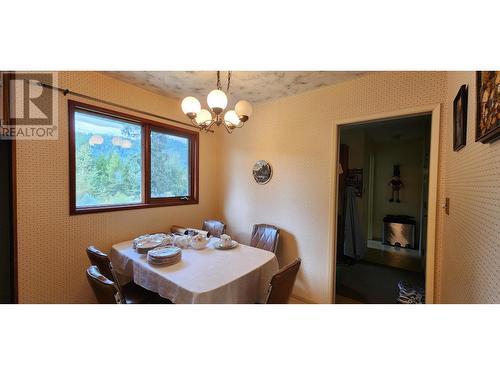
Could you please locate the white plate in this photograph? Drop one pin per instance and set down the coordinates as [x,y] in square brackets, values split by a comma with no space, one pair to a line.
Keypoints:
[219,245]
[167,263]
[164,252]
[150,241]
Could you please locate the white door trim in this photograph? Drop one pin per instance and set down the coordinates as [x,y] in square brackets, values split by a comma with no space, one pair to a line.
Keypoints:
[435,112]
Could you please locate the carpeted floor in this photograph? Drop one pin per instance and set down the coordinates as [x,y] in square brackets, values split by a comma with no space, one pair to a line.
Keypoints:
[374,283]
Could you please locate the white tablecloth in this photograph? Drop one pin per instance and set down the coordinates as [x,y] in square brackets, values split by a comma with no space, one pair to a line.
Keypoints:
[240,275]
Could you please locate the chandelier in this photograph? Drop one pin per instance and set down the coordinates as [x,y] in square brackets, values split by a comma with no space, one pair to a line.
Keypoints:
[204,119]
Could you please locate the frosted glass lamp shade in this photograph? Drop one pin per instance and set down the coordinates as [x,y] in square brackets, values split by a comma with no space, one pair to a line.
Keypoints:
[190,105]
[243,108]
[203,117]
[217,101]
[231,118]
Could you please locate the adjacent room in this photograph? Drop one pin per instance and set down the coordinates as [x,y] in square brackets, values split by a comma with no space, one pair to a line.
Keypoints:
[382,210]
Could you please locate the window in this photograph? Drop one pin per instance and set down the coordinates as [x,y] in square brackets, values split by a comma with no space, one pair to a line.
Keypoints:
[118,161]
[108,157]
[169,165]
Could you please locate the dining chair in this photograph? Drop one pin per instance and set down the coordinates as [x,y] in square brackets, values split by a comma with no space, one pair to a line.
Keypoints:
[214,227]
[265,237]
[101,260]
[104,289]
[130,291]
[281,285]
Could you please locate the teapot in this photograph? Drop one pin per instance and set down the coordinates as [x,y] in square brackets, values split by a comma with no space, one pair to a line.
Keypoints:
[182,241]
[169,240]
[199,241]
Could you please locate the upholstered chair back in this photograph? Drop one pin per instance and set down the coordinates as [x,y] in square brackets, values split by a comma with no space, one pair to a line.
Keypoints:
[214,227]
[101,260]
[104,289]
[265,237]
[282,283]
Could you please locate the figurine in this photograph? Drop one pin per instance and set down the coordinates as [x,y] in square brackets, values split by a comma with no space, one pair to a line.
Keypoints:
[396,184]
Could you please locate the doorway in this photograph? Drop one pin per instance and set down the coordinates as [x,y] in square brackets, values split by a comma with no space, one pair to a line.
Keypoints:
[7,203]
[385,207]
[6,228]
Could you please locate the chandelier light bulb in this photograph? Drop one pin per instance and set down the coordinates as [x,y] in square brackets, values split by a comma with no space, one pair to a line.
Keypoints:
[243,110]
[231,118]
[190,106]
[203,117]
[217,101]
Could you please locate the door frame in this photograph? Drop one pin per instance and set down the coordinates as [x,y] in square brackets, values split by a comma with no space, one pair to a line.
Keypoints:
[6,107]
[435,111]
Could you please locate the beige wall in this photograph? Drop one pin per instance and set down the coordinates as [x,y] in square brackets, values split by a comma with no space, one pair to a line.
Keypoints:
[51,243]
[295,135]
[471,252]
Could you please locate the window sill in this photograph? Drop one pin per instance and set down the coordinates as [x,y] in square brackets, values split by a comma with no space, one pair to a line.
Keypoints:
[163,203]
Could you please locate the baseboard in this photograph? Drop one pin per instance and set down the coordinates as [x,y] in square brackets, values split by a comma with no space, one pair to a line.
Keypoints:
[302,299]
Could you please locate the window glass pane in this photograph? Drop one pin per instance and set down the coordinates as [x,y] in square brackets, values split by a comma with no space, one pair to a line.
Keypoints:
[169,165]
[108,161]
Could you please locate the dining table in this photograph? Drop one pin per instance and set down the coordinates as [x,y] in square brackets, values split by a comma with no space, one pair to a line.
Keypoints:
[210,275]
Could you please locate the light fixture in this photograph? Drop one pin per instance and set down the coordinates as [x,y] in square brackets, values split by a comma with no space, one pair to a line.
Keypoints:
[217,103]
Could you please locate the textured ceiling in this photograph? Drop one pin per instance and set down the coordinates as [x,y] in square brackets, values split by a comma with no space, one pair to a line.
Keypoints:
[252,86]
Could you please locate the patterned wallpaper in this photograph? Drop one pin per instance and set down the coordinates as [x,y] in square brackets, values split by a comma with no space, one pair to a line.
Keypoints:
[470,245]
[51,243]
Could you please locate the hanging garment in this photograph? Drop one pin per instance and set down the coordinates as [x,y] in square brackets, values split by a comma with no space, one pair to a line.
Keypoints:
[354,241]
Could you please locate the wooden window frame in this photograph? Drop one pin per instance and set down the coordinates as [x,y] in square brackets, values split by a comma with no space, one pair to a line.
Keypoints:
[147,126]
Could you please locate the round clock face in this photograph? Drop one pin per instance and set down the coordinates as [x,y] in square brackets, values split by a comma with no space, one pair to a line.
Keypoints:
[262,172]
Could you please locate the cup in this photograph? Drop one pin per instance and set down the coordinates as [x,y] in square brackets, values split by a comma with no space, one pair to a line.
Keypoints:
[199,241]
[225,240]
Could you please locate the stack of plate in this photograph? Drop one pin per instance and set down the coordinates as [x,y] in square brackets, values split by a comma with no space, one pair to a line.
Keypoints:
[147,242]
[164,256]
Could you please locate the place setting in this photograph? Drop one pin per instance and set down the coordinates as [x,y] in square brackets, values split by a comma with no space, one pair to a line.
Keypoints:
[226,243]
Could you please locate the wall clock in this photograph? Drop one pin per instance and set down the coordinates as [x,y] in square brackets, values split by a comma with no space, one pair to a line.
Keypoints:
[262,172]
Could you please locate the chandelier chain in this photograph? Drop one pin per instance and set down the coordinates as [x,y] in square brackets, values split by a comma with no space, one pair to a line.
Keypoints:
[219,86]
[228,80]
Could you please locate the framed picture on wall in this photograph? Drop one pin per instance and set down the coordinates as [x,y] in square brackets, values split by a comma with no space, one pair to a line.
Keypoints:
[262,172]
[488,106]
[460,118]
